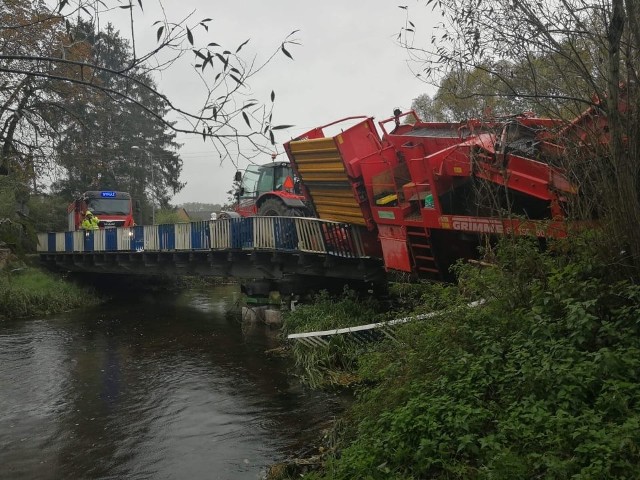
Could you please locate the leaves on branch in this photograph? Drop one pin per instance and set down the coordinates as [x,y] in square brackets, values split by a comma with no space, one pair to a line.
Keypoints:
[246,119]
[209,61]
[204,22]
[273,96]
[224,60]
[281,127]
[189,36]
[242,45]
[199,54]
[159,33]
[284,50]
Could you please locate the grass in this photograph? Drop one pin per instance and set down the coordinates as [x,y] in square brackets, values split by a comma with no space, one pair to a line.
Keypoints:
[30,292]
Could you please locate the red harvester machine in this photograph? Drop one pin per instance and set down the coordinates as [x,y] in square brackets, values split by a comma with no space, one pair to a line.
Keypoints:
[430,191]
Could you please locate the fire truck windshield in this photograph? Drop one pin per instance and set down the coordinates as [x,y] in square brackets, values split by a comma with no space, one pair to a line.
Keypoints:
[109,206]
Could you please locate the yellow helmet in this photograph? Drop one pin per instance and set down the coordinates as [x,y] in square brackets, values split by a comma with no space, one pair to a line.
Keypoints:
[88,213]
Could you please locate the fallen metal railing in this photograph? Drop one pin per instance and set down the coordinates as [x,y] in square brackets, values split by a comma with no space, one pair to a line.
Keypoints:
[363,334]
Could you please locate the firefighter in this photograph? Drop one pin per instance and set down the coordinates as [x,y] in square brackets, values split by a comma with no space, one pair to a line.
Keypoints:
[90,221]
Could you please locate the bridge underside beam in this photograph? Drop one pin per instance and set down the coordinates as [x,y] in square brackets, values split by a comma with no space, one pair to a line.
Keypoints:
[238,264]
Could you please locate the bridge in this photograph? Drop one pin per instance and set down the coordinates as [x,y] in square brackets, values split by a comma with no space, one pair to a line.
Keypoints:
[289,254]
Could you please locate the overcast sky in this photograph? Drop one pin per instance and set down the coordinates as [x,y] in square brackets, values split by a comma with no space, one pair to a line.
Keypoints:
[348,64]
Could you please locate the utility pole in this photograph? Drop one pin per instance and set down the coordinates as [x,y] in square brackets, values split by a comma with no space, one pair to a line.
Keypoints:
[153,189]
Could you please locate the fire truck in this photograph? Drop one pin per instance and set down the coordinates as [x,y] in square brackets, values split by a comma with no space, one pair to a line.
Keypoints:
[433,192]
[113,209]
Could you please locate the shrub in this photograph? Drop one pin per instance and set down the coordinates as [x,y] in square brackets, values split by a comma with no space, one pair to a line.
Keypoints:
[541,382]
[32,292]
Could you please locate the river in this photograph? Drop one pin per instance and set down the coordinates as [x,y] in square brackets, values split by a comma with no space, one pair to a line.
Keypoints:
[157,386]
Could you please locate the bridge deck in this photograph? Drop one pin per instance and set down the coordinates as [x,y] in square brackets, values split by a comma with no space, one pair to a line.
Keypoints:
[252,247]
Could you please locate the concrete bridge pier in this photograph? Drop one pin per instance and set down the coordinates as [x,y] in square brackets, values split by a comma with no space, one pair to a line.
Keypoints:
[266,299]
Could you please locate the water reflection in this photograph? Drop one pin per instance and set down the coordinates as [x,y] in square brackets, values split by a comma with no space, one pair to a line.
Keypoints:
[152,387]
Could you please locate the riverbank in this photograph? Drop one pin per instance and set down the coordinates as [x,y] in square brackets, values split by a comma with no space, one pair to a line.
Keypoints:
[27,291]
[541,381]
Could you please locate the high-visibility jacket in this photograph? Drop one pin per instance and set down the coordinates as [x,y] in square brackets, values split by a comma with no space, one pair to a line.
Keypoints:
[89,223]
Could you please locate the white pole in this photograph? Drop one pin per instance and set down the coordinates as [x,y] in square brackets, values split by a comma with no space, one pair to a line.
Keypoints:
[153,190]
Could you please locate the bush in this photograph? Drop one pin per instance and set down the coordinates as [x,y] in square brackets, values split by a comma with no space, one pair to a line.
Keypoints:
[31,292]
[168,216]
[541,382]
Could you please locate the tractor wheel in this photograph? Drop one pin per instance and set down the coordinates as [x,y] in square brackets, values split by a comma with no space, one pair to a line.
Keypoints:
[276,208]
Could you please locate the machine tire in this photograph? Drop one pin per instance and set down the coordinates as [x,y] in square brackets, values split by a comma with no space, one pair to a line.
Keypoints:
[276,208]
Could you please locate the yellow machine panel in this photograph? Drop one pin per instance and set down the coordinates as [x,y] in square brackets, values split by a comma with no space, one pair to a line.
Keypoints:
[322,171]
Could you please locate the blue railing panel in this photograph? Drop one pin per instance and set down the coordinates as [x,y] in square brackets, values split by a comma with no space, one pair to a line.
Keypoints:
[137,242]
[242,232]
[88,241]
[167,235]
[51,242]
[68,242]
[284,230]
[200,235]
[111,239]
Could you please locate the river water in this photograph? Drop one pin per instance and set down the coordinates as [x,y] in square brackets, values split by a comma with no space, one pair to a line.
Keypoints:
[157,386]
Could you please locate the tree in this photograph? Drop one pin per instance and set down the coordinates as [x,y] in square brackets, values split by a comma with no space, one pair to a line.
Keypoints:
[426,110]
[29,103]
[560,60]
[39,45]
[129,148]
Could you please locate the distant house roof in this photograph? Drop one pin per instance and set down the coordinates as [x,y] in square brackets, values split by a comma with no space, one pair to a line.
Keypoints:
[197,215]
[183,214]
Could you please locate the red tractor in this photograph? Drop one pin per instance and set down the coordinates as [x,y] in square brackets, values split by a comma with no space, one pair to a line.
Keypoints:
[268,190]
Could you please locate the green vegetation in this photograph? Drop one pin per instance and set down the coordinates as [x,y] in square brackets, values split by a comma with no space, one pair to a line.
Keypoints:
[168,216]
[334,363]
[542,381]
[28,292]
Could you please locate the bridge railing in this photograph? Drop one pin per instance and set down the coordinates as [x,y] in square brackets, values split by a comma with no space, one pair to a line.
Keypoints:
[250,233]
